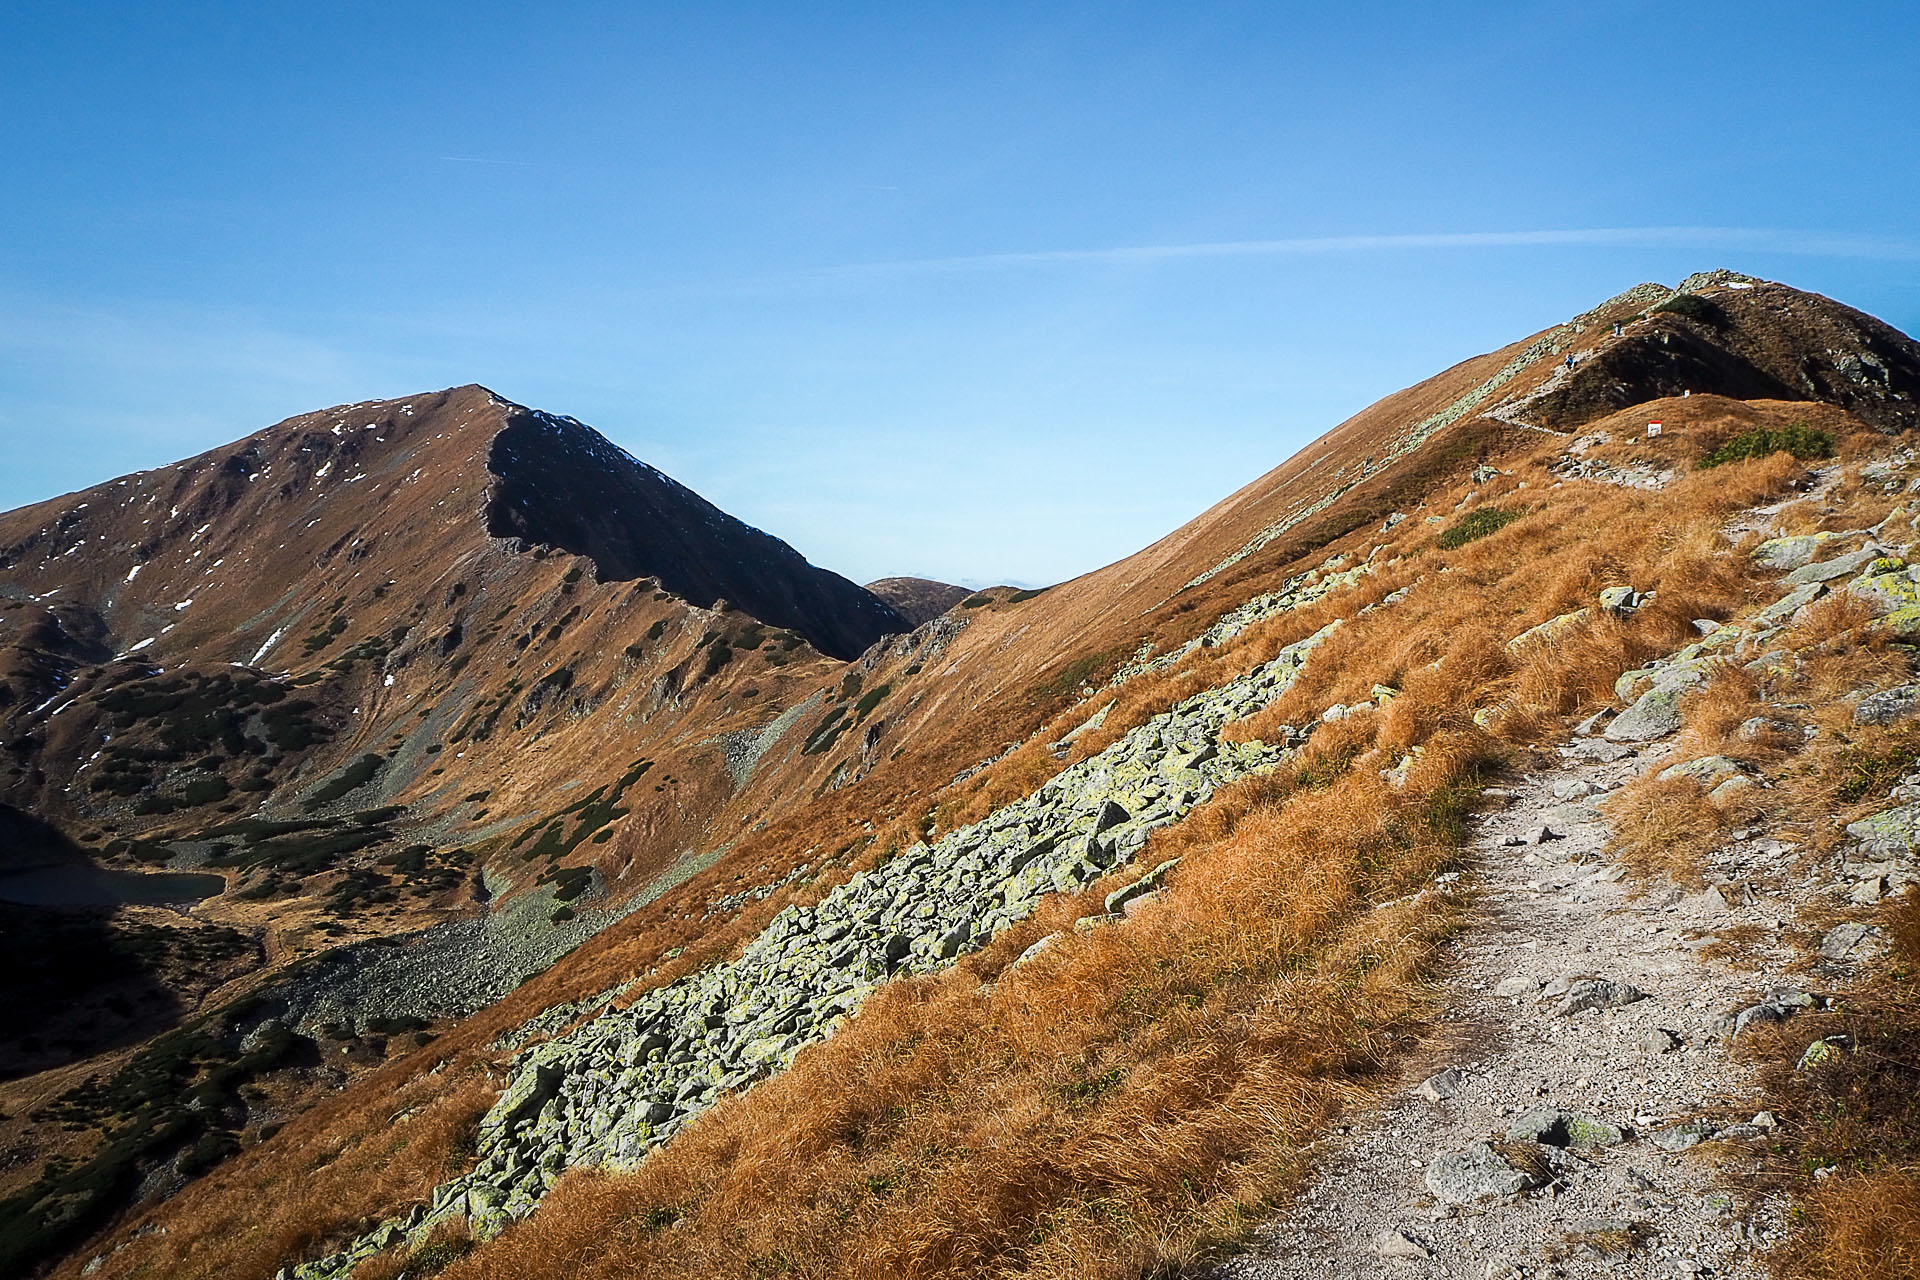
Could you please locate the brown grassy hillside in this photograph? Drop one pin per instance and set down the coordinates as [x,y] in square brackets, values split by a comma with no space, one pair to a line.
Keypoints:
[472,702]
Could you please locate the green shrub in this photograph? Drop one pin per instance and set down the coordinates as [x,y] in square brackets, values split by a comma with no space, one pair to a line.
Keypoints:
[1803,442]
[1478,523]
[870,700]
[824,734]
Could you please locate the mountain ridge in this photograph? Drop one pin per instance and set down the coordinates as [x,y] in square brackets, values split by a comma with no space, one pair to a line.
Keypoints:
[602,765]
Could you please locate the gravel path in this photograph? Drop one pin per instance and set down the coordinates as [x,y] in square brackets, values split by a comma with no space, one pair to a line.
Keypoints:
[1395,1194]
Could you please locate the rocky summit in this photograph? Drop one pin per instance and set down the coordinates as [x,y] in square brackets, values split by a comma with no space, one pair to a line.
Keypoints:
[433,841]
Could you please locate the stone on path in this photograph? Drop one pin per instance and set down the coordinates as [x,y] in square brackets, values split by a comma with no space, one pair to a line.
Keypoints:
[1398,1244]
[1479,1171]
[1892,833]
[1853,941]
[1655,714]
[1688,1133]
[1441,1086]
[1553,1127]
[1659,1040]
[1596,993]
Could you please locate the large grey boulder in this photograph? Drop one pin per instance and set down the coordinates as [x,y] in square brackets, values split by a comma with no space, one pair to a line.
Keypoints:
[1708,771]
[1891,833]
[1479,1171]
[1888,706]
[1793,552]
[1655,714]
[1783,609]
[1853,941]
[1839,567]
[1688,1133]
[530,1089]
[1117,900]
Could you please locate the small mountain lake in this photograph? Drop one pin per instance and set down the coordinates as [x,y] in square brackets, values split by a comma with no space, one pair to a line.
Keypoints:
[83,886]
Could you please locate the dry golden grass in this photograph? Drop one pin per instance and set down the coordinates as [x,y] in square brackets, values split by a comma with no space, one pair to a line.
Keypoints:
[347,1162]
[1121,1104]
[1128,1101]
[1113,1107]
[1865,1228]
[1857,1114]
[1664,828]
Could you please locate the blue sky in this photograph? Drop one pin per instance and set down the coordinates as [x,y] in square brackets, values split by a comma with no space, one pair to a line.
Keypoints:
[982,292]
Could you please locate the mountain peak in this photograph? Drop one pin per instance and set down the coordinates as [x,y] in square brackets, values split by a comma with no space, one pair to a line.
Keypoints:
[557,482]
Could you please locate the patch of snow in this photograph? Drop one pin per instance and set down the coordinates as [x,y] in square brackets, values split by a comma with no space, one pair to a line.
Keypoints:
[133,572]
[182,605]
[138,647]
[271,641]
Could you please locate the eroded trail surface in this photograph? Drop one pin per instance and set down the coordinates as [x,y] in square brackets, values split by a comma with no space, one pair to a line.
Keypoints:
[1586,1059]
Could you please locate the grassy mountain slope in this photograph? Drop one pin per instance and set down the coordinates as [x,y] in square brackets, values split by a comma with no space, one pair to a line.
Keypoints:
[1109,1111]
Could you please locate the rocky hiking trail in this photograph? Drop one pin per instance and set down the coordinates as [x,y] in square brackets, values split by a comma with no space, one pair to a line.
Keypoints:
[1581,1013]
[1583,1109]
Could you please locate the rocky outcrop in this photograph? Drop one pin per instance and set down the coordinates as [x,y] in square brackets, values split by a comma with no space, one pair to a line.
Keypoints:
[1729,335]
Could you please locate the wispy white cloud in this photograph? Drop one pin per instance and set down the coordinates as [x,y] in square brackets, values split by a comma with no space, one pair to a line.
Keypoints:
[1747,239]
[517,164]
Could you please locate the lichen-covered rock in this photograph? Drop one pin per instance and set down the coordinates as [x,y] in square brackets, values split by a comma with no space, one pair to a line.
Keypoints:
[1891,833]
[1853,941]
[1792,552]
[1782,610]
[1552,631]
[1655,714]
[1117,900]
[1845,566]
[1554,1127]
[1688,1133]
[1708,771]
[1619,599]
[1734,789]
[1888,588]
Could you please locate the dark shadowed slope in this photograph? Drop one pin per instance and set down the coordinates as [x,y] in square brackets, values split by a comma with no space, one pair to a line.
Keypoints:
[563,484]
